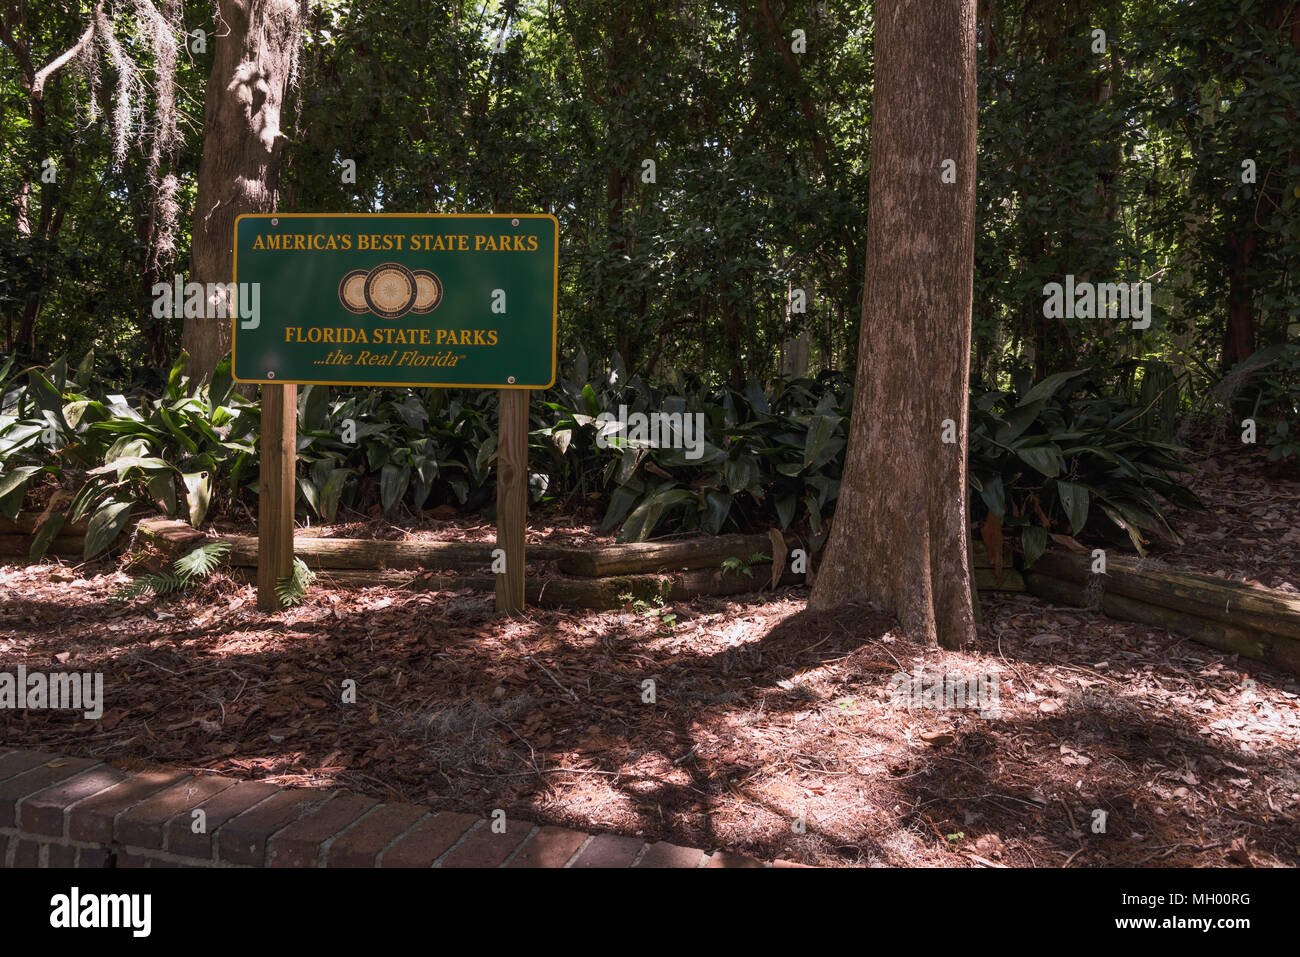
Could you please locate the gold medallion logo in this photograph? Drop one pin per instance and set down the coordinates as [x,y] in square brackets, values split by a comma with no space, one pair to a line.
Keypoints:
[350,294]
[428,292]
[390,290]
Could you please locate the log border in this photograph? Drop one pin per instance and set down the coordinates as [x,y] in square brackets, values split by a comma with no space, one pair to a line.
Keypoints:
[1249,620]
[599,578]
[1258,623]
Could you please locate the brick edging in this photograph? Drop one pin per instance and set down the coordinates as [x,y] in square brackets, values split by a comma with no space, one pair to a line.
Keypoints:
[76,812]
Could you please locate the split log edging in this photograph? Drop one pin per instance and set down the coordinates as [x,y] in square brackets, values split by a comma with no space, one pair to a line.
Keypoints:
[1259,623]
[1249,620]
[17,535]
[602,577]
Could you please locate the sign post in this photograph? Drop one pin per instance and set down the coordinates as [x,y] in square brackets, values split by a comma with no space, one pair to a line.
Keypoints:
[403,299]
[512,497]
[276,491]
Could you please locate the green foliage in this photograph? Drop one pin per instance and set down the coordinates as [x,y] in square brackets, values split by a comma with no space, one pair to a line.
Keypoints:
[751,194]
[1117,165]
[1057,455]
[78,255]
[1273,376]
[741,566]
[768,455]
[665,618]
[202,561]
[1156,388]
[292,589]
[1061,456]
[115,454]
[409,448]
[186,572]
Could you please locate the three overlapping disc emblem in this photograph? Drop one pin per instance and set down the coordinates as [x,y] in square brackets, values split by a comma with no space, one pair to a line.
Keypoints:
[390,290]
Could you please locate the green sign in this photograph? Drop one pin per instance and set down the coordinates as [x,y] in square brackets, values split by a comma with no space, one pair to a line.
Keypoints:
[397,299]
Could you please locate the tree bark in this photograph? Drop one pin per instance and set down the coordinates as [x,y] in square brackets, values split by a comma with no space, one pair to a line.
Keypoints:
[899,537]
[251,71]
[1239,334]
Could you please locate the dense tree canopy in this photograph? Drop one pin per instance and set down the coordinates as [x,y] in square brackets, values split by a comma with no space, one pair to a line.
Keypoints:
[1123,165]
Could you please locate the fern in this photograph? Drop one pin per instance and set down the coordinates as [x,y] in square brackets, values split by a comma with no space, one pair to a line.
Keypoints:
[736,566]
[740,566]
[202,561]
[186,572]
[293,588]
[162,584]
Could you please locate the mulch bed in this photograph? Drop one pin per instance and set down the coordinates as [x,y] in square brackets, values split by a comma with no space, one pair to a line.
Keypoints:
[1250,530]
[772,731]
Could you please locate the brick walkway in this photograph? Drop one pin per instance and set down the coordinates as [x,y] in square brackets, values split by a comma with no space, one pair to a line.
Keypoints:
[76,812]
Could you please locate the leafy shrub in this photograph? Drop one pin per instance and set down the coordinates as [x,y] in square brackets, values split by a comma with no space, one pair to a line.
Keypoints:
[186,572]
[769,456]
[1060,455]
[416,442]
[1157,389]
[1274,377]
[1054,455]
[292,588]
[107,454]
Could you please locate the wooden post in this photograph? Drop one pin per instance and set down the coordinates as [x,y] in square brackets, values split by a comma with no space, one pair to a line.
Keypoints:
[276,491]
[512,496]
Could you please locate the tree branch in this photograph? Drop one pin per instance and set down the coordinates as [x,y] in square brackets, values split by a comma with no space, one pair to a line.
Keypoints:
[45,72]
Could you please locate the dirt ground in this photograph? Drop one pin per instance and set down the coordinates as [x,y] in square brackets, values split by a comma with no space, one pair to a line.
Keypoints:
[772,731]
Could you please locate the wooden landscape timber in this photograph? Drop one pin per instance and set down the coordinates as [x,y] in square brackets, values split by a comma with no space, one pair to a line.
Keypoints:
[552,591]
[18,534]
[636,557]
[601,577]
[1256,622]
[26,523]
[369,553]
[1249,620]
[18,545]
[604,577]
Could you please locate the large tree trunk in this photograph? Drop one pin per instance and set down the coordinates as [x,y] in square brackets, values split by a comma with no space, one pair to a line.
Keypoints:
[1239,334]
[255,53]
[899,536]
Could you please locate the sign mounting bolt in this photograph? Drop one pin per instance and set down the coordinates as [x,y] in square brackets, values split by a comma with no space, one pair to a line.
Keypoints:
[510,380]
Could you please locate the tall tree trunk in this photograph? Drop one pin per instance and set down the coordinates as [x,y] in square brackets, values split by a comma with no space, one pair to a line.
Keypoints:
[1239,335]
[251,68]
[899,535]
[54,205]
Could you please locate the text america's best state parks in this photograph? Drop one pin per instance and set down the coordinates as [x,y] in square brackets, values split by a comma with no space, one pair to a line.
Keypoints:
[398,299]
